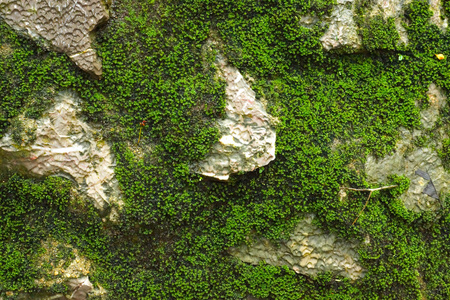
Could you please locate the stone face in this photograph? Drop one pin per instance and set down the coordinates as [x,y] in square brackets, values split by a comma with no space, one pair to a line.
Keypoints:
[408,158]
[308,251]
[61,144]
[342,30]
[248,138]
[65,261]
[64,25]
[393,9]
[437,19]
[60,263]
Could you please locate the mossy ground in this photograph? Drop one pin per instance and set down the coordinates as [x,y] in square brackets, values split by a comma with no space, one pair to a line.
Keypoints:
[175,229]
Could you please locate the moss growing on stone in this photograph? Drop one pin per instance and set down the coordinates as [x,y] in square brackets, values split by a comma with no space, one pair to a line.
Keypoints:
[172,237]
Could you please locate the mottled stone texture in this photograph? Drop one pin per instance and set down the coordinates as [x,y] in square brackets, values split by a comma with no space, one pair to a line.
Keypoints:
[61,144]
[408,158]
[65,25]
[308,251]
[248,138]
[344,32]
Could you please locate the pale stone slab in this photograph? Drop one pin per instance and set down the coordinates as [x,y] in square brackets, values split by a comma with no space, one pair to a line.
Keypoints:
[65,26]
[62,144]
[308,251]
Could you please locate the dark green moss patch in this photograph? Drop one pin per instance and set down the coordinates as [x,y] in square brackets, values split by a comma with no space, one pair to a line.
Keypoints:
[173,234]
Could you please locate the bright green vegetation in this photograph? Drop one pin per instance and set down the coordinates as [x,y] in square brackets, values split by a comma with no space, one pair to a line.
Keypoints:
[174,232]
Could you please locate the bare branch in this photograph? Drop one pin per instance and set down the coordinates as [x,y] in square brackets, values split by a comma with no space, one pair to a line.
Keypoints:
[368,198]
[370,190]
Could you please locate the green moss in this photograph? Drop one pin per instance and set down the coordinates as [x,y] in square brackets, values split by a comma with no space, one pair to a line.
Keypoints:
[444,153]
[379,34]
[172,238]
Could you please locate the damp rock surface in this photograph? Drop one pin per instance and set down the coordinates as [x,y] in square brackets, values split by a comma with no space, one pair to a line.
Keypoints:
[61,144]
[248,137]
[342,30]
[308,251]
[421,164]
[64,26]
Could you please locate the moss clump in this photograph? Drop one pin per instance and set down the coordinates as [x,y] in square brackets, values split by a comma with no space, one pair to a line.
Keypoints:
[379,34]
[175,229]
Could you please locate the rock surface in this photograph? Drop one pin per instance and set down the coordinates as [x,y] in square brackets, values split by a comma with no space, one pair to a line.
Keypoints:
[309,251]
[65,26]
[248,138]
[409,158]
[342,30]
[437,18]
[61,263]
[61,144]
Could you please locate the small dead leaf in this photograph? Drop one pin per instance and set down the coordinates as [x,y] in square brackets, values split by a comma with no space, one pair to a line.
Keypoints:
[440,56]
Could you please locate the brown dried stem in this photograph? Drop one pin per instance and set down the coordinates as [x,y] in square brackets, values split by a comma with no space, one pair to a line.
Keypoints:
[368,198]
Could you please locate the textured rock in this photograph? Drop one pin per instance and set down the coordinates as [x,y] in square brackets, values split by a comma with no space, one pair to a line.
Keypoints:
[61,144]
[308,251]
[342,30]
[437,19]
[248,139]
[409,158]
[60,263]
[65,25]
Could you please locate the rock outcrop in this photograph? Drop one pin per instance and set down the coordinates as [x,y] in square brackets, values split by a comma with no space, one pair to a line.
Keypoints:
[343,31]
[308,251]
[248,136]
[65,26]
[421,164]
[61,144]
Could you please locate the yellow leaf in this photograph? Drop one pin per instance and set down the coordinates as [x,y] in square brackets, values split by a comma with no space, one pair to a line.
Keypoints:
[440,56]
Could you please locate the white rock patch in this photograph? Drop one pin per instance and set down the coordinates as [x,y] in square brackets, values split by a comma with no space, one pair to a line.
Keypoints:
[309,251]
[248,139]
[64,145]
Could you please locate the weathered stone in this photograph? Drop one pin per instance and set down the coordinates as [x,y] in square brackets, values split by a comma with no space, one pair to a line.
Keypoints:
[393,9]
[64,25]
[308,251]
[342,30]
[248,137]
[408,158]
[65,261]
[436,18]
[61,144]
[60,263]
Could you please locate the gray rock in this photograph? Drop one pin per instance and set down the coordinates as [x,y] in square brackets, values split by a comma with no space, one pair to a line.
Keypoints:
[61,144]
[64,25]
[342,30]
[412,161]
[248,137]
[308,251]
[437,19]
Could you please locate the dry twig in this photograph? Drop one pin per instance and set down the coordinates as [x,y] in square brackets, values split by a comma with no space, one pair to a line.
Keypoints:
[368,198]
